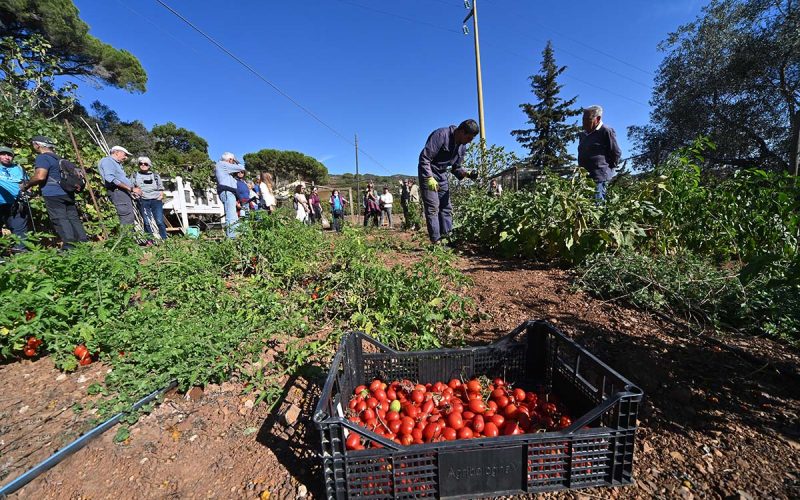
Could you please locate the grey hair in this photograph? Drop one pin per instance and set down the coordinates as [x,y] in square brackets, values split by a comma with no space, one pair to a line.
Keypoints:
[44,144]
[594,110]
[228,156]
[144,159]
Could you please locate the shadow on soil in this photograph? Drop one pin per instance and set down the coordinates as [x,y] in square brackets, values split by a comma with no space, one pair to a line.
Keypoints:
[291,435]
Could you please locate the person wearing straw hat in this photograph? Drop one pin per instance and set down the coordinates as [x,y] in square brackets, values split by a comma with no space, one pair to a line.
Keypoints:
[120,188]
[12,214]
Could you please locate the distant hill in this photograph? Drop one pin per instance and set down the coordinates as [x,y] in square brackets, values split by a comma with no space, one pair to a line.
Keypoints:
[344,181]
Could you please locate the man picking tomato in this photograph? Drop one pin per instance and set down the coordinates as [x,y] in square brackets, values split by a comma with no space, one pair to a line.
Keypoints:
[445,148]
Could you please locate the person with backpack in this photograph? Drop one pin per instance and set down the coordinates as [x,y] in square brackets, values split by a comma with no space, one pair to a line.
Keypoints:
[151,204]
[119,187]
[59,202]
[370,202]
[337,210]
[12,200]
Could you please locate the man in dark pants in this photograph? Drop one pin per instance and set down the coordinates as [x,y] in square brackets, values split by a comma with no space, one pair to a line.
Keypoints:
[405,197]
[12,207]
[445,148]
[61,208]
[120,188]
[598,151]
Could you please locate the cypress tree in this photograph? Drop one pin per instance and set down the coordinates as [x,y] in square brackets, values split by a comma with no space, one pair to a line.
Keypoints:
[550,135]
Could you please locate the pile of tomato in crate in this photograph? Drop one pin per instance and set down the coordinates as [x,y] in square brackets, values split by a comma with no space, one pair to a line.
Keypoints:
[410,413]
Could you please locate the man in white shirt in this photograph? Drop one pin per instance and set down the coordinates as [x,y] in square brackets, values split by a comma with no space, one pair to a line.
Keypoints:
[386,206]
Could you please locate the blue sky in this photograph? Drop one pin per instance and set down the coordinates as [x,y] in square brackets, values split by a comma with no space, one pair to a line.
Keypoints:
[391,71]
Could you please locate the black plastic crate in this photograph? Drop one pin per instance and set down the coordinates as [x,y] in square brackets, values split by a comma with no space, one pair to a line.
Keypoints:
[534,355]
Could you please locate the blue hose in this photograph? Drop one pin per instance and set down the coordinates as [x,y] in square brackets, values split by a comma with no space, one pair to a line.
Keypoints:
[76,445]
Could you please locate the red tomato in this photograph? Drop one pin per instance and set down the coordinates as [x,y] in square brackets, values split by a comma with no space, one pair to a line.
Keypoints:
[29,315]
[372,402]
[391,394]
[564,422]
[375,385]
[449,433]
[530,398]
[80,351]
[498,382]
[417,396]
[395,426]
[406,426]
[29,352]
[477,424]
[511,429]
[352,441]
[352,404]
[474,386]
[392,416]
[455,420]
[416,434]
[519,394]
[406,440]
[498,420]
[411,411]
[380,395]
[492,405]
[490,430]
[430,432]
[427,407]
[477,406]
[361,406]
[85,361]
[454,383]
[498,393]
[510,411]
[465,433]
[368,414]
[358,392]
[502,402]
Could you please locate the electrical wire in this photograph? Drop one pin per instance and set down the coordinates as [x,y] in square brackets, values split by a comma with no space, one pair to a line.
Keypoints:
[458,32]
[268,82]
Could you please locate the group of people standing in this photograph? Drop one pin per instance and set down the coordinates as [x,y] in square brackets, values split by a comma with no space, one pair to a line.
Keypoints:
[239,196]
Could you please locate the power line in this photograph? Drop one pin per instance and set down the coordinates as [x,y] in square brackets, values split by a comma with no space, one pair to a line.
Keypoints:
[265,80]
[412,20]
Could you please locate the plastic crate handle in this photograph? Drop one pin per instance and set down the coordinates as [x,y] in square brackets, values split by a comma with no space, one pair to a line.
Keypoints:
[598,411]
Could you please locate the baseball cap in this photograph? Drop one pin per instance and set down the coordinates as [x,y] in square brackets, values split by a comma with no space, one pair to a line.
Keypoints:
[120,148]
[4,149]
[43,139]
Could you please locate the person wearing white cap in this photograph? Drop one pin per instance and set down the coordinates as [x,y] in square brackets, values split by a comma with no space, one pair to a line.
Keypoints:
[226,168]
[120,188]
[150,203]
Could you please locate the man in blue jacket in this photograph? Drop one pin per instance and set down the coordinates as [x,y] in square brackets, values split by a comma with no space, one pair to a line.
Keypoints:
[226,168]
[445,148]
[12,214]
[598,151]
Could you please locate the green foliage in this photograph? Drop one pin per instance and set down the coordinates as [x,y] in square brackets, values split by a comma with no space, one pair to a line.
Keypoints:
[549,136]
[675,228]
[286,166]
[732,74]
[761,297]
[77,52]
[200,311]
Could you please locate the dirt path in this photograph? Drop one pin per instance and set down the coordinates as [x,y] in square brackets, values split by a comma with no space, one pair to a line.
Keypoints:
[713,425]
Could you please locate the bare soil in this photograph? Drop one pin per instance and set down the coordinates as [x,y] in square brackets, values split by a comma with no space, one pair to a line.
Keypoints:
[715,423]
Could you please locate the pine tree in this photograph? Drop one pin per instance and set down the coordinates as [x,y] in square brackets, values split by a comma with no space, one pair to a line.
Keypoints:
[548,139]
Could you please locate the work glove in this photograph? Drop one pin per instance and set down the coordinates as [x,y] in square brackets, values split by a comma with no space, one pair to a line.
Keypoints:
[432,184]
[472,174]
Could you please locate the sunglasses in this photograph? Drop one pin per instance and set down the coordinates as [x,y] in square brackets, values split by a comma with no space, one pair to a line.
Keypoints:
[143,163]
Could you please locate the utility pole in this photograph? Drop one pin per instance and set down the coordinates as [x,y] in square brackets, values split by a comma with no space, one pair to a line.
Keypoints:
[473,13]
[358,183]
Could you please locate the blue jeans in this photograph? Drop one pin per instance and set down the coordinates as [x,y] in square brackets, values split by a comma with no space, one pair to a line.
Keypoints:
[12,216]
[438,213]
[228,200]
[154,209]
[600,191]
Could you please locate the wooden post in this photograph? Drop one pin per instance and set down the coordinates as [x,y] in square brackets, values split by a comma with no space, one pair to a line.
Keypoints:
[88,184]
[352,207]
